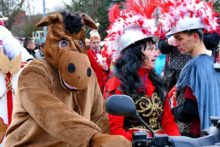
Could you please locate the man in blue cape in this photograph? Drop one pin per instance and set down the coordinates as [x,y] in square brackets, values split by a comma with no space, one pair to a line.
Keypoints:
[199,81]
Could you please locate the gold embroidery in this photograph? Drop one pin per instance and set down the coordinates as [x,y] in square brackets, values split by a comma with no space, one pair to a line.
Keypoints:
[150,109]
[6,65]
[8,88]
[141,127]
[11,66]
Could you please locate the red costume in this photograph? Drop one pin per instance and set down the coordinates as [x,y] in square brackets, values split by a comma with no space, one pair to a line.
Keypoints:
[96,57]
[164,120]
[192,126]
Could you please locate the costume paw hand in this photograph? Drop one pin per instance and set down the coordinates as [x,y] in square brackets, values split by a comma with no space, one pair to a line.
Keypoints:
[3,128]
[105,140]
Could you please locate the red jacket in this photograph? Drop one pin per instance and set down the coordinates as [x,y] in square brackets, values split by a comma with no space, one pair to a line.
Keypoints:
[195,125]
[102,75]
[116,122]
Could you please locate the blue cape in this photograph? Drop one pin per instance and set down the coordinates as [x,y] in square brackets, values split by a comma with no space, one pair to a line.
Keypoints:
[204,80]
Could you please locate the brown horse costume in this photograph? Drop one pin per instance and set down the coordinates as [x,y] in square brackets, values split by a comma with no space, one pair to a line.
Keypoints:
[58,102]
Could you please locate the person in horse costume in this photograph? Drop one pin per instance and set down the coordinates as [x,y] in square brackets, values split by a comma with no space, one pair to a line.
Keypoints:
[58,101]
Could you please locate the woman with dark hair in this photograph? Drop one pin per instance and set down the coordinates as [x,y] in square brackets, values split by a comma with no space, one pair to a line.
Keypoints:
[133,58]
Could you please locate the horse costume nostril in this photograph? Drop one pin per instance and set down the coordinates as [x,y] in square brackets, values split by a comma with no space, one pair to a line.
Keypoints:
[71,68]
[89,72]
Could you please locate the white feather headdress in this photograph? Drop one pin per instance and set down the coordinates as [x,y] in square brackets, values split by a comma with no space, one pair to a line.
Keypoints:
[181,15]
[127,28]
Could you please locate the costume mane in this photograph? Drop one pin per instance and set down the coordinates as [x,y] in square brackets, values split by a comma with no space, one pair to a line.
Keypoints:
[72,22]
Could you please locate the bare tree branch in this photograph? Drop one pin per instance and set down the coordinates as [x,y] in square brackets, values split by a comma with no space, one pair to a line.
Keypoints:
[10,9]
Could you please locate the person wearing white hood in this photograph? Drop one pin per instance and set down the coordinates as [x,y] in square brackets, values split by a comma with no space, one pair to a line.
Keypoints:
[12,58]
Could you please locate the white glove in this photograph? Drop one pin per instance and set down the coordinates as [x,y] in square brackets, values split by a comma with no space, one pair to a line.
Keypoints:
[11,46]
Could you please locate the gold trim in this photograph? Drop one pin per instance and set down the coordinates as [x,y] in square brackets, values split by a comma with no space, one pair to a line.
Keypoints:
[12,66]
[9,87]
[141,128]
[151,109]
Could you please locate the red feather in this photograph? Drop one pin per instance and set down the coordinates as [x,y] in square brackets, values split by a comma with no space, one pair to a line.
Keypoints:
[150,7]
[146,7]
[165,6]
[114,12]
[131,5]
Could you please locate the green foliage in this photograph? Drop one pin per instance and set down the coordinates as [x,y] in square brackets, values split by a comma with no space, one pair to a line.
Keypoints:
[96,9]
[216,4]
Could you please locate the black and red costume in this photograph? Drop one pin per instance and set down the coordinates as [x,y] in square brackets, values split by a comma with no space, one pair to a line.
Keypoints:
[153,109]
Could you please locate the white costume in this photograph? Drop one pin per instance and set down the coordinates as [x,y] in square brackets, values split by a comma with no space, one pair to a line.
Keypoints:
[12,57]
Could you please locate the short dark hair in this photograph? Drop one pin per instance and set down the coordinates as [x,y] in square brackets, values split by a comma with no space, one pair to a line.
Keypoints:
[27,41]
[197,31]
[42,44]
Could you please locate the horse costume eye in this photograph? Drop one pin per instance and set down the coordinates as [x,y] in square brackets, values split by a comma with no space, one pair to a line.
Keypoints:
[81,44]
[63,43]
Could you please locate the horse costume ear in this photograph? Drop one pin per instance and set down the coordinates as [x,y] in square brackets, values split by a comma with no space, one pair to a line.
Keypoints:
[88,21]
[47,20]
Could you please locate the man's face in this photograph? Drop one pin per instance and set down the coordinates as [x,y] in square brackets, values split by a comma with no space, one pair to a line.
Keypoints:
[95,44]
[42,48]
[31,45]
[87,43]
[184,42]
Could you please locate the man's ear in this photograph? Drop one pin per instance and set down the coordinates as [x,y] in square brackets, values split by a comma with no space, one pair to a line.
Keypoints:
[88,21]
[195,36]
[47,20]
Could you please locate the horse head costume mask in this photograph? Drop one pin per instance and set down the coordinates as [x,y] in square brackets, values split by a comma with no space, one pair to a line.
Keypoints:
[65,45]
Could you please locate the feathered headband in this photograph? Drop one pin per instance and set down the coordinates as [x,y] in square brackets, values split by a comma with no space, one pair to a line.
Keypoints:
[181,15]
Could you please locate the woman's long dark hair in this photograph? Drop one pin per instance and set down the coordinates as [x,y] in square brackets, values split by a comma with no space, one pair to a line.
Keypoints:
[127,66]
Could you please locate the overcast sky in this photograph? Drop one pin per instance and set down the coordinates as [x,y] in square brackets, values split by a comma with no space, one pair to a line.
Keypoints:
[51,5]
